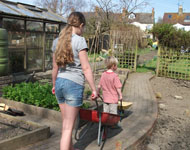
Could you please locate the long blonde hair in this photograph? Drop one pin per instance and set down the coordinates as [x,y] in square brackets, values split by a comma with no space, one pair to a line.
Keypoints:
[64,53]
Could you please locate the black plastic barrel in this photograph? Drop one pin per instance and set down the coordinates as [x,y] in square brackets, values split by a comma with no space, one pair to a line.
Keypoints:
[3,52]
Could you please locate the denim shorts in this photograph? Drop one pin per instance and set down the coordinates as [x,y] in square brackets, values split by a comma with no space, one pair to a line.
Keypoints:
[69,92]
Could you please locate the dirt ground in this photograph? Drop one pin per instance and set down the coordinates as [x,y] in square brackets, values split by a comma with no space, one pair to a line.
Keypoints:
[11,128]
[145,57]
[172,130]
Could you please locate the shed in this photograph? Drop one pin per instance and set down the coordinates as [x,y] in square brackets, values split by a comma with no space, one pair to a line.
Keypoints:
[31,31]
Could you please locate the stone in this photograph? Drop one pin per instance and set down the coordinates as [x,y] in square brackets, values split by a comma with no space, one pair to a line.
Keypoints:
[158,95]
[153,147]
[162,106]
[178,97]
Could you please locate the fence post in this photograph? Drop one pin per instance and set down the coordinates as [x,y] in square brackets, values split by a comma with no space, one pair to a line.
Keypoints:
[135,63]
[158,61]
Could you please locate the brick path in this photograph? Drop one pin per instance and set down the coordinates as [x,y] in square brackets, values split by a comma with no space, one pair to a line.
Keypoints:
[138,121]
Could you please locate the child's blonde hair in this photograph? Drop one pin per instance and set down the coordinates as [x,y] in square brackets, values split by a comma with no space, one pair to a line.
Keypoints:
[64,53]
[111,61]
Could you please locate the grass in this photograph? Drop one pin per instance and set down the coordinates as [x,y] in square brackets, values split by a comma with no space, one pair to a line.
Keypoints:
[148,66]
[180,66]
[143,51]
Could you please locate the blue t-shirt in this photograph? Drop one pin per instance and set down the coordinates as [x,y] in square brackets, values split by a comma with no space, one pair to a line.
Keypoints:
[73,71]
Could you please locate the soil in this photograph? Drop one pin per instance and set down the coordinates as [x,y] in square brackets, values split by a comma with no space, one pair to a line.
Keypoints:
[145,57]
[11,128]
[172,130]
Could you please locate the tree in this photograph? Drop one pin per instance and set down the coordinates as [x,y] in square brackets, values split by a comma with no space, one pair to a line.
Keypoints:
[62,7]
[132,5]
[103,10]
[108,10]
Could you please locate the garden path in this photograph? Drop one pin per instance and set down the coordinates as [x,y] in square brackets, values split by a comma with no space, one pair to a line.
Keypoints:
[138,121]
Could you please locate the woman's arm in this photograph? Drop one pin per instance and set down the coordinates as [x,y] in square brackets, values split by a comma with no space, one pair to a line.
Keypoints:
[54,73]
[87,71]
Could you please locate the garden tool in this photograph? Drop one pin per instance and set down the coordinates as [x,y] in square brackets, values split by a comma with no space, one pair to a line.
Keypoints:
[6,109]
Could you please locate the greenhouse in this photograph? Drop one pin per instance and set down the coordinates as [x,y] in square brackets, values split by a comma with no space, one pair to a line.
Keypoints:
[31,31]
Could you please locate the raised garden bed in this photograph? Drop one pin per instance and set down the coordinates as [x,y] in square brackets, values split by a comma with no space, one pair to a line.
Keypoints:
[17,133]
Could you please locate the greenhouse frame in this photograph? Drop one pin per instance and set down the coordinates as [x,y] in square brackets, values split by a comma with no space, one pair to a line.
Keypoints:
[31,31]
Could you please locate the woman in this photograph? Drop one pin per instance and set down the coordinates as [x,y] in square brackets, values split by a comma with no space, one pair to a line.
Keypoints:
[70,68]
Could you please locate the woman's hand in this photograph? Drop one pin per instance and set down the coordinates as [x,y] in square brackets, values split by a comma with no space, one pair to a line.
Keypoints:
[94,95]
[53,90]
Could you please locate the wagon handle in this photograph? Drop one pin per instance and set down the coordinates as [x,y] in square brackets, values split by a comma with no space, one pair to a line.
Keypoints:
[121,108]
[97,102]
[100,97]
[97,105]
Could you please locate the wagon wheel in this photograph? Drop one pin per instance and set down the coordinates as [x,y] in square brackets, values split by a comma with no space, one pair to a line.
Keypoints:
[76,135]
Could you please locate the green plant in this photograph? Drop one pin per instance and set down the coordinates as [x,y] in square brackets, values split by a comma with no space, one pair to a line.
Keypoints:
[170,36]
[32,93]
[150,42]
[85,105]
[148,66]
[88,92]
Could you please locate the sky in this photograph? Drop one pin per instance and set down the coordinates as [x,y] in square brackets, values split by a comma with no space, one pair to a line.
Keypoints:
[160,6]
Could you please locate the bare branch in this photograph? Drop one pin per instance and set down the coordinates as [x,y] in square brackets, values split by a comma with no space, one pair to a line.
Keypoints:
[132,5]
[62,7]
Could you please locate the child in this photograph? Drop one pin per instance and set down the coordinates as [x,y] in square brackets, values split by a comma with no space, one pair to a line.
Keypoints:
[111,86]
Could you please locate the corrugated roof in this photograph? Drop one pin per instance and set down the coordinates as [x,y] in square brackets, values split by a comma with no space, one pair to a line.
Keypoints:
[26,10]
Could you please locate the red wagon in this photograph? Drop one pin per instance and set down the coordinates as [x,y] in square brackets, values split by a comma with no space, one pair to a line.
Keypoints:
[95,116]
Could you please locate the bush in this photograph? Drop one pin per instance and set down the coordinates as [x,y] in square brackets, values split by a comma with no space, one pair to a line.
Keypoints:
[170,36]
[150,42]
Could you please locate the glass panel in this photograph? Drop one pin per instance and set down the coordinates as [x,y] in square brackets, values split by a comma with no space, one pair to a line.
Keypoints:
[45,15]
[54,17]
[23,11]
[169,16]
[40,14]
[35,50]
[16,39]
[52,27]
[16,51]
[13,24]
[7,10]
[48,52]
[34,26]
[16,60]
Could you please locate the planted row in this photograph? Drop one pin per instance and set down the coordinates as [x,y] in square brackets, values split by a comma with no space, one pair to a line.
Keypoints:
[32,93]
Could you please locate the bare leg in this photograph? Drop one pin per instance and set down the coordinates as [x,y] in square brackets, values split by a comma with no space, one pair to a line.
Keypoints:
[69,115]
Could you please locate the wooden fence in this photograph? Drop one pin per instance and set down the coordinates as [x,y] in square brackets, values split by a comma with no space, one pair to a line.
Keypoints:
[173,63]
